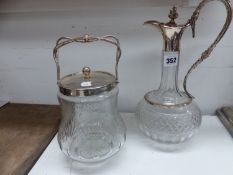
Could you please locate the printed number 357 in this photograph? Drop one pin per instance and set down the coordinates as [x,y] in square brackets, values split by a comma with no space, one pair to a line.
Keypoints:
[171,60]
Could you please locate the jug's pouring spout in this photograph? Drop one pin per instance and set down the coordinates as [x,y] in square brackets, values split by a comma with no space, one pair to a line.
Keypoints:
[171,32]
[156,24]
[153,23]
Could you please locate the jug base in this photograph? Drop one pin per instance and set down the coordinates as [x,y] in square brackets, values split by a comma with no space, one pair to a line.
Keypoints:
[169,145]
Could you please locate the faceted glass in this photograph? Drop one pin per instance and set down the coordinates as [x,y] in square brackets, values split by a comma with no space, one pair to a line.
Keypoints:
[168,115]
[91,129]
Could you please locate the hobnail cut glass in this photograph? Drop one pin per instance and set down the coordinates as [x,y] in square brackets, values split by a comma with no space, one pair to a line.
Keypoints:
[168,125]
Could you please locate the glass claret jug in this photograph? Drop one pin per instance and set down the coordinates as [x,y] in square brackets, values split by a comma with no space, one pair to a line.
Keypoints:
[91,128]
[168,115]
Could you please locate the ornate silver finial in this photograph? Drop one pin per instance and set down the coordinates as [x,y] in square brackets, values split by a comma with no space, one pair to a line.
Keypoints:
[173,14]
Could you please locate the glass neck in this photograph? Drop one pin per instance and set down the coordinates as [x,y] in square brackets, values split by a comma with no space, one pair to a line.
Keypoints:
[170,67]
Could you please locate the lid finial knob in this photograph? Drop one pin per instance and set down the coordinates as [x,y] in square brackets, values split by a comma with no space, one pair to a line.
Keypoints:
[173,14]
[87,73]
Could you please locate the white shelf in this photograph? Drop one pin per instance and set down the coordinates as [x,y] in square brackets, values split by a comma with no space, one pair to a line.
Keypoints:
[210,152]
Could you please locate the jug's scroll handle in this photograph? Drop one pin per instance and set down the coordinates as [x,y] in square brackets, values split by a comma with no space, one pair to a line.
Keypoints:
[62,41]
[208,51]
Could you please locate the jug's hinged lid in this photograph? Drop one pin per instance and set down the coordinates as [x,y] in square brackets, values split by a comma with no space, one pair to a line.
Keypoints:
[171,31]
[87,82]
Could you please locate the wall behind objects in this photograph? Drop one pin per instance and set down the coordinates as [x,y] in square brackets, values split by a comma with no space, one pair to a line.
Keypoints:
[29,30]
